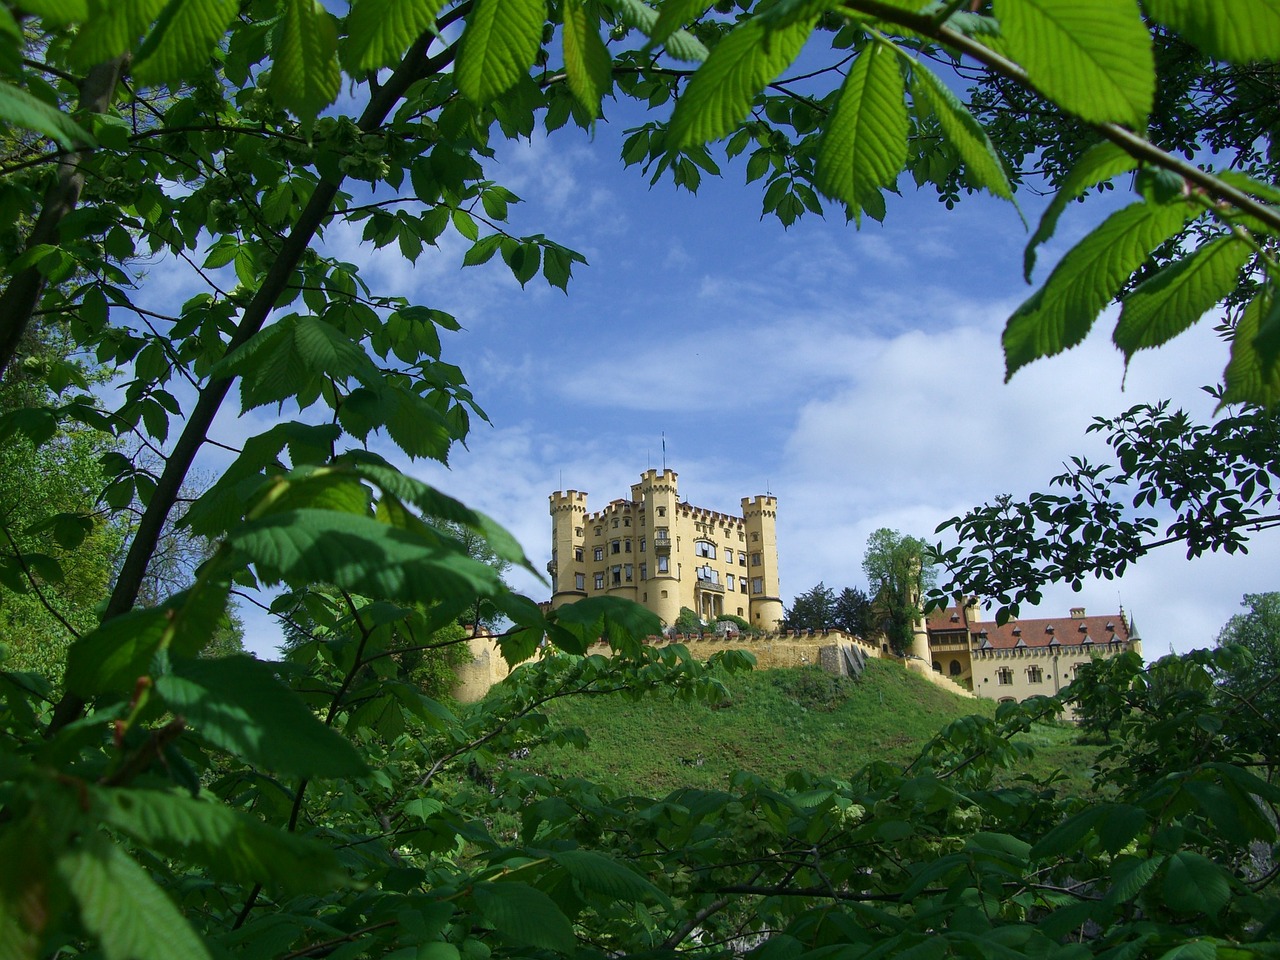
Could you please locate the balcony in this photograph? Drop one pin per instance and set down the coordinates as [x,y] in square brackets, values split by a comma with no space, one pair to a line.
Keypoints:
[661,546]
[709,587]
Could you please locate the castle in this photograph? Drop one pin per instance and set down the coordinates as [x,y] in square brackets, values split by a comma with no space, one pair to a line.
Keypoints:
[1021,658]
[665,554]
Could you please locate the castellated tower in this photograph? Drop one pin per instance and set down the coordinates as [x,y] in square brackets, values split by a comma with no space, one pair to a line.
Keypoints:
[568,539]
[760,518]
[659,500]
[666,554]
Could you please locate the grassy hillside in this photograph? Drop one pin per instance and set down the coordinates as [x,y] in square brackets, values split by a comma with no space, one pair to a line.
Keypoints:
[773,722]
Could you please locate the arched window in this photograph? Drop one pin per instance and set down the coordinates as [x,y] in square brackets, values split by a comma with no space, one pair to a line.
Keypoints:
[954,668]
[937,667]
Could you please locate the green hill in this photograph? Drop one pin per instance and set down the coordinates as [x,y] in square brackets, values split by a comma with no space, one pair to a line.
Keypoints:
[772,722]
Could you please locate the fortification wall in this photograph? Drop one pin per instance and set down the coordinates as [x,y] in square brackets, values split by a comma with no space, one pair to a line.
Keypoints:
[485,668]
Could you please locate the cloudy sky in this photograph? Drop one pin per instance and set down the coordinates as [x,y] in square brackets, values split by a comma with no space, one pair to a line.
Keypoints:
[856,375]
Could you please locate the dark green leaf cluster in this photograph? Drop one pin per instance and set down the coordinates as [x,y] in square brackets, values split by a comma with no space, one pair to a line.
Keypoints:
[155,800]
[1171,480]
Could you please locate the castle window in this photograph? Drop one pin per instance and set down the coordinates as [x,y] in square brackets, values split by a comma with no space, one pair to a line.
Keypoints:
[617,576]
[728,554]
[664,565]
[954,668]
[664,594]
[644,571]
[579,581]
[662,511]
[628,542]
[577,531]
[626,522]
[755,559]
[660,534]
[757,584]
[577,553]
[1035,675]
[628,571]
[708,575]
[1004,676]
[598,529]
[642,542]
[599,581]
[615,546]
[937,667]
[742,584]
[739,611]
[742,559]
[599,553]
[755,535]
[704,548]
[729,581]
[615,523]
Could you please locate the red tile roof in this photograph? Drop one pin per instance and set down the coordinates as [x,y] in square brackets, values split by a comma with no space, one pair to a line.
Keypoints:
[1068,631]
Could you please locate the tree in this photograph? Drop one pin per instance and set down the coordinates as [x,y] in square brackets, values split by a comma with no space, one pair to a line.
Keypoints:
[1208,485]
[813,610]
[162,803]
[900,571]
[853,612]
[688,621]
[1252,682]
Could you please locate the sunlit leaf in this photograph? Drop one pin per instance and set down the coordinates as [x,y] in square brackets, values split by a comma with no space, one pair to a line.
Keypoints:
[1061,312]
[1238,30]
[1093,57]
[1169,302]
[498,46]
[864,145]
[720,93]
[379,31]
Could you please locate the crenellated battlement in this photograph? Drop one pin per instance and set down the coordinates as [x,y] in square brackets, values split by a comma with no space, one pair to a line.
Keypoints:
[568,501]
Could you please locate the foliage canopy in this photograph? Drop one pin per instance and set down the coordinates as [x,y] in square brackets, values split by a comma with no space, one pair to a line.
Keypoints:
[155,802]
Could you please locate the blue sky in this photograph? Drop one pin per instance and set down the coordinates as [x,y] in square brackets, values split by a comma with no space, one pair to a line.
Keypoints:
[854,374]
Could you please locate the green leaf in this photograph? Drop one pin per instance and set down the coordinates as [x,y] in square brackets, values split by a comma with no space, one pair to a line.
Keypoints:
[1099,163]
[1164,305]
[721,91]
[183,39]
[379,31]
[586,59]
[114,29]
[499,45]
[1238,30]
[120,905]
[1061,312]
[23,110]
[237,704]
[1130,875]
[597,873]
[864,146]
[1195,884]
[111,658]
[231,845]
[962,130]
[1267,342]
[622,622]
[1248,378]
[672,15]
[302,547]
[525,914]
[681,45]
[58,13]
[304,76]
[1092,57]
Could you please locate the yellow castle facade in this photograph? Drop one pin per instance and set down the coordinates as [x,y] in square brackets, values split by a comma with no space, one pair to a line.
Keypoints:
[665,553]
